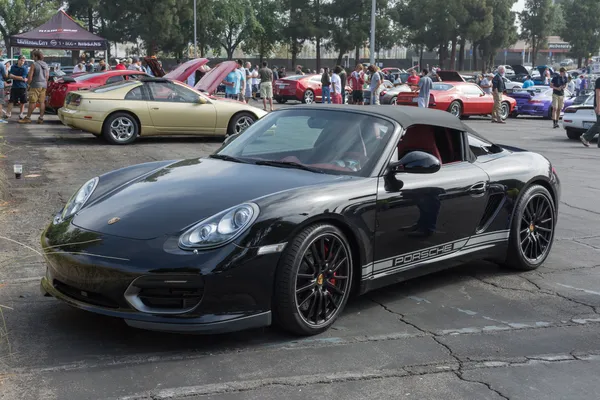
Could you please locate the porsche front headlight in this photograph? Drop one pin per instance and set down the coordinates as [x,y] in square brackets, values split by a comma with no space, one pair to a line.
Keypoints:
[78,200]
[221,228]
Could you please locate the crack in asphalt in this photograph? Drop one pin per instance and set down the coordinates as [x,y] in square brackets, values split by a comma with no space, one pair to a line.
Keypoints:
[539,290]
[341,377]
[402,318]
[579,208]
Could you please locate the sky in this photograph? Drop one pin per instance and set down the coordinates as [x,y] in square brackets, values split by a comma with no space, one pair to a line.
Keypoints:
[519,5]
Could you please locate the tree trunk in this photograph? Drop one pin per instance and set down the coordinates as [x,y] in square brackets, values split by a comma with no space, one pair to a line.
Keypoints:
[294,51]
[579,62]
[475,50]
[90,13]
[318,51]
[339,58]
[230,53]
[453,55]
[421,48]
[461,55]
[357,56]
[533,52]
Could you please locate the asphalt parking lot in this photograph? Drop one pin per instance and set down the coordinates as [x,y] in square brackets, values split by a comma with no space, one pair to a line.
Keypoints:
[475,332]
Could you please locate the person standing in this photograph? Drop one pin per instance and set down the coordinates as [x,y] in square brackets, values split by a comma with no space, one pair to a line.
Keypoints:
[90,67]
[325,86]
[242,73]
[248,88]
[102,65]
[18,91]
[299,70]
[375,84]
[486,84]
[3,77]
[266,85]
[578,85]
[498,88]
[275,73]
[255,82]
[38,83]
[413,79]
[336,85]
[528,83]
[587,137]
[344,78]
[357,81]
[136,65]
[79,68]
[571,85]
[232,85]
[424,87]
[558,85]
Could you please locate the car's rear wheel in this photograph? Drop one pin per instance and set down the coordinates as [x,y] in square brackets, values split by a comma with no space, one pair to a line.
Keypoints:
[513,114]
[504,110]
[240,122]
[532,229]
[573,134]
[280,100]
[309,97]
[120,128]
[455,109]
[394,101]
[313,280]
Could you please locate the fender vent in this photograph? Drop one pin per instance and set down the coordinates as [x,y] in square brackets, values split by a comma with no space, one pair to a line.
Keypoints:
[494,203]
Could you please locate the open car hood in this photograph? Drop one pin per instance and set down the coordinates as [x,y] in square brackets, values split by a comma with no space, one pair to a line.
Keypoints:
[183,72]
[450,76]
[211,80]
[520,70]
[155,67]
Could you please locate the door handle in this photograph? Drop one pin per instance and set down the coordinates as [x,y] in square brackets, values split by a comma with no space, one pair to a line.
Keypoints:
[478,189]
[155,108]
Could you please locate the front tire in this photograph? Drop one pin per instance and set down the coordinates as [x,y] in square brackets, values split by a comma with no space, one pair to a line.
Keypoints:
[120,128]
[455,109]
[573,134]
[532,230]
[313,280]
[240,122]
[394,101]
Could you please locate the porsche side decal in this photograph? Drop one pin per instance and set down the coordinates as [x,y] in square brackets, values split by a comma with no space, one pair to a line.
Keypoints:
[440,252]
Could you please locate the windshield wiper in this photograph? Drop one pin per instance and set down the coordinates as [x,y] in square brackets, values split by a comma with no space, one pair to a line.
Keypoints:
[229,158]
[289,164]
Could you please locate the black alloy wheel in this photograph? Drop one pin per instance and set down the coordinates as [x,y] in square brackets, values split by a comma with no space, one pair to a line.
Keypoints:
[313,280]
[532,230]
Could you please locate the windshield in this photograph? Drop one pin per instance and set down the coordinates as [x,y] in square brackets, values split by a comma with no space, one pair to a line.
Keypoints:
[293,77]
[113,86]
[589,101]
[334,142]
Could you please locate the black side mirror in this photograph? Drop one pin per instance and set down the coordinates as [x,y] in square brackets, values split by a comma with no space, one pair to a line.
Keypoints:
[416,162]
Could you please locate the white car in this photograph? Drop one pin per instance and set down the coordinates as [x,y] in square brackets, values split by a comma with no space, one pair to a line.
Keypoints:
[578,119]
[512,86]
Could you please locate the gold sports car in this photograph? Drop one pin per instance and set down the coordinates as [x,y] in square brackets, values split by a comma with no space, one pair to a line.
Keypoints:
[122,111]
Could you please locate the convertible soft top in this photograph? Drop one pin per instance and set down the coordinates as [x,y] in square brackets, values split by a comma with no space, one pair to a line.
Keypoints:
[403,115]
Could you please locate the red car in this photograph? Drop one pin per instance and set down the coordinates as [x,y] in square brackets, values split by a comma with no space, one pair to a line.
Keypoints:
[458,97]
[57,91]
[304,88]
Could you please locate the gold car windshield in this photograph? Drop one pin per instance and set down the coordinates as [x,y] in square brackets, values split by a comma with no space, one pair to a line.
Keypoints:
[330,141]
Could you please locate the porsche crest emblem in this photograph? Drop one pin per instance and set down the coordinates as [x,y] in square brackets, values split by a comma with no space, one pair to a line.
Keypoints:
[113,220]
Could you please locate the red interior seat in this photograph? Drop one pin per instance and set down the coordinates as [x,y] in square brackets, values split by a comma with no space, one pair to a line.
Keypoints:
[421,138]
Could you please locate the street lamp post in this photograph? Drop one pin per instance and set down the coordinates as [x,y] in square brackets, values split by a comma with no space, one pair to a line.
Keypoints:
[372,47]
[195,32]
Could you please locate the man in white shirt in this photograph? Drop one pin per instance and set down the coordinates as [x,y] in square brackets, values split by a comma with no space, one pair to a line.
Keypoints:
[336,86]
[242,71]
[255,82]
[79,68]
[578,85]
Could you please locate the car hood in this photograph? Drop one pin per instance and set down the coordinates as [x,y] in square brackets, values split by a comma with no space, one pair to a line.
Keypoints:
[520,70]
[181,194]
[213,78]
[186,69]
[450,76]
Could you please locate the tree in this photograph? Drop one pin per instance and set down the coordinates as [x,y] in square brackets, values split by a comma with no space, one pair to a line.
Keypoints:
[537,22]
[582,28]
[237,22]
[503,34]
[349,28]
[267,32]
[476,23]
[18,16]
[298,26]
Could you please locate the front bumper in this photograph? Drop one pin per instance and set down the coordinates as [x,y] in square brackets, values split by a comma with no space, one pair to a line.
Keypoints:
[233,292]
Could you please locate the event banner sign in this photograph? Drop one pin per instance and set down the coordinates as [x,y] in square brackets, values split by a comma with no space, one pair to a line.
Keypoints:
[59,44]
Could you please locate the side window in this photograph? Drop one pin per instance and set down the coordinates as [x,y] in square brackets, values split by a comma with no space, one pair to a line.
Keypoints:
[137,93]
[114,79]
[471,90]
[316,79]
[171,93]
[443,143]
[481,147]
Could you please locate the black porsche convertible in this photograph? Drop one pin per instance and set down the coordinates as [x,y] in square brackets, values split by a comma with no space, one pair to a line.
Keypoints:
[289,218]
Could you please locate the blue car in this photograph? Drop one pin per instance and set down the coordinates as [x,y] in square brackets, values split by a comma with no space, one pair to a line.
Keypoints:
[537,101]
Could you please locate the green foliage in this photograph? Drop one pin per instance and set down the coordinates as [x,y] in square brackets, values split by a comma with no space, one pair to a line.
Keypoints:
[503,33]
[266,32]
[18,16]
[237,22]
[582,27]
[538,20]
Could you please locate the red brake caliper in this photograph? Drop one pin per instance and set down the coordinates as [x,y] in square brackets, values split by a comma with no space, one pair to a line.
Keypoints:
[326,255]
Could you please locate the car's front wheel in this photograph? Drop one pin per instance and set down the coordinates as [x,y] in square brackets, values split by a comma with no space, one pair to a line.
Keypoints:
[120,128]
[240,122]
[394,101]
[280,100]
[532,229]
[573,134]
[313,280]
[455,109]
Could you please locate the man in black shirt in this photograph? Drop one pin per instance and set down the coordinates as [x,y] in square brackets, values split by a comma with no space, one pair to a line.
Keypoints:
[498,87]
[594,129]
[558,85]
